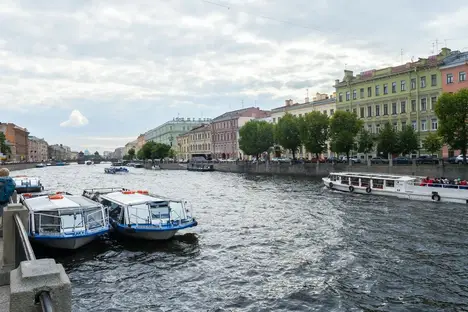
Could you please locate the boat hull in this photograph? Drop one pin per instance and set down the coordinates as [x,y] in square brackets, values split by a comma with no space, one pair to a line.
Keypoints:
[427,194]
[64,243]
[154,234]
[29,189]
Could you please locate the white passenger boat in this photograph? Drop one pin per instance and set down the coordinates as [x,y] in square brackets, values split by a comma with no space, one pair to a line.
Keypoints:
[25,184]
[63,220]
[405,187]
[141,215]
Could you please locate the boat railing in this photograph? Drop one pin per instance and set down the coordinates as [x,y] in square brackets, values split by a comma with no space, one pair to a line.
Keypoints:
[89,193]
[441,185]
[96,219]
[46,225]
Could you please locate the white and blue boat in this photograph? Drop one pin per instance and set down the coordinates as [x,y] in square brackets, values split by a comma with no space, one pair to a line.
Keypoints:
[25,184]
[114,170]
[141,215]
[63,220]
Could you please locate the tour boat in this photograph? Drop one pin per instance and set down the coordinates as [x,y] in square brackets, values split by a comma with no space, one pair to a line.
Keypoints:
[114,170]
[156,167]
[405,187]
[25,184]
[200,167]
[63,220]
[41,165]
[138,165]
[141,215]
[89,162]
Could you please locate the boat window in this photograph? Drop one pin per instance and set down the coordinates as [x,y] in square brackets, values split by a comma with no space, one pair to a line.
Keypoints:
[160,210]
[355,181]
[106,203]
[70,221]
[365,182]
[47,222]
[377,183]
[389,183]
[116,212]
[344,180]
[95,219]
[139,214]
[177,211]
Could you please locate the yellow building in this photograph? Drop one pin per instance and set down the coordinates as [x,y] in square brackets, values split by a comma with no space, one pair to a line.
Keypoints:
[183,144]
[326,106]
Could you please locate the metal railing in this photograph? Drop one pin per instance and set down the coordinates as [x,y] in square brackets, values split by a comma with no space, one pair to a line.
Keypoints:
[24,251]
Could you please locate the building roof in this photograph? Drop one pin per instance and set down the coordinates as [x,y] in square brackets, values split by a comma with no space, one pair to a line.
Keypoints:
[455,59]
[130,199]
[303,105]
[44,203]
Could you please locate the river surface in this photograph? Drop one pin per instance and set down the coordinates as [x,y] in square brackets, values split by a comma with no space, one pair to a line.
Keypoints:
[271,244]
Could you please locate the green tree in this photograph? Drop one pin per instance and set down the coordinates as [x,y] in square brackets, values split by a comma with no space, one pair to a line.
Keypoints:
[314,132]
[287,133]
[408,142]
[141,154]
[387,140]
[4,148]
[433,143]
[256,137]
[452,111]
[344,127]
[131,153]
[366,142]
[159,150]
[172,154]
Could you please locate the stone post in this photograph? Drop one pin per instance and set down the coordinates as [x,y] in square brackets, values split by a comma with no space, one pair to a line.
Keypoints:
[32,278]
[9,234]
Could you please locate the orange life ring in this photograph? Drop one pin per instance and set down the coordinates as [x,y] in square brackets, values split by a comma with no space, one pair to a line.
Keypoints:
[58,193]
[142,192]
[27,195]
[128,192]
[56,196]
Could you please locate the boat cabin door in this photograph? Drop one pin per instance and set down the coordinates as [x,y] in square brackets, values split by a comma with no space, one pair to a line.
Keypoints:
[400,186]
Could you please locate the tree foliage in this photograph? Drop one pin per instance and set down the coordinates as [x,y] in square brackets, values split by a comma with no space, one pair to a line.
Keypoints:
[131,153]
[408,142]
[433,143]
[153,150]
[452,111]
[4,148]
[140,154]
[287,133]
[366,142]
[387,140]
[314,132]
[344,127]
[256,137]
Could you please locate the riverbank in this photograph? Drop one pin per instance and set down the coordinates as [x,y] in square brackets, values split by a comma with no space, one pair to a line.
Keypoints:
[19,166]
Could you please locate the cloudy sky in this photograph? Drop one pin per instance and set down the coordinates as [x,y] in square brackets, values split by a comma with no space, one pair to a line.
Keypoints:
[95,74]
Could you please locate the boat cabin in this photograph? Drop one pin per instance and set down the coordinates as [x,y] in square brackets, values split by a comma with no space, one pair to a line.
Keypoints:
[62,214]
[372,181]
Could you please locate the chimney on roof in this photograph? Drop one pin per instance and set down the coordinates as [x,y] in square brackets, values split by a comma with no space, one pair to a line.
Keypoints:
[288,102]
[337,81]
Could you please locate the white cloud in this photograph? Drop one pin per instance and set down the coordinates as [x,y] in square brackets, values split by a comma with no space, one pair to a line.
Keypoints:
[76,119]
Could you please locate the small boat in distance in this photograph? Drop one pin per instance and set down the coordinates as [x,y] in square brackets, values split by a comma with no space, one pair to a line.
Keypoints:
[117,164]
[405,187]
[63,220]
[61,163]
[48,164]
[141,215]
[41,165]
[89,162]
[25,184]
[137,165]
[114,170]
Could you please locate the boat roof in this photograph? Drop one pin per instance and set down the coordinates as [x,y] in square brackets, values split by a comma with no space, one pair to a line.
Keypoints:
[44,203]
[131,199]
[377,176]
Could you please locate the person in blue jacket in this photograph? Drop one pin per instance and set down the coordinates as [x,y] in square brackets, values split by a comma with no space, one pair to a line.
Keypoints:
[7,187]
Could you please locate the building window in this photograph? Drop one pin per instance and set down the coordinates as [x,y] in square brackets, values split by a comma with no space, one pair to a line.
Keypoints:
[395,126]
[385,89]
[325,112]
[354,94]
[274,119]
[332,111]
[423,125]
[369,111]
[377,128]
[413,105]
[403,125]
[347,96]
[385,109]
[361,91]
[423,81]
[377,110]
[362,112]
[423,104]
[414,125]
[413,83]
[403,107]
[434,80]
[393,87]
[354,111]
[369,128]
[433,102]
[449,78]
[369,91]
[434,124]
[461,76]
[403,85]
[340,97]
[377,90]
[394,110]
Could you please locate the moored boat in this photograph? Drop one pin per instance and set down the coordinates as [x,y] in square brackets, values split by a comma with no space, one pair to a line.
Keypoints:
[114,170]
[137,165]
[25,184]
[89,162]
[141,215]
[41,165]
[63,220]
[405,187]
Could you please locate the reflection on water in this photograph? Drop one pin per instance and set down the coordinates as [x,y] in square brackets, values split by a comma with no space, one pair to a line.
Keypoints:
[271,244]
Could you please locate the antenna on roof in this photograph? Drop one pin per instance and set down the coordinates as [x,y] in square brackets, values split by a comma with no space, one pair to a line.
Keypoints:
[401,56]
[242,103]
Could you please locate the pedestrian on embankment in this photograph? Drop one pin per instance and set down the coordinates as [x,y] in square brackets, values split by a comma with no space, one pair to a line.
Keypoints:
[7,188]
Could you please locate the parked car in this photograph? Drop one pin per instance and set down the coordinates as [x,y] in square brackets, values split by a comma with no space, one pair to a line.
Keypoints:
[379,160]
[427,160]
[459,159]
[401,160]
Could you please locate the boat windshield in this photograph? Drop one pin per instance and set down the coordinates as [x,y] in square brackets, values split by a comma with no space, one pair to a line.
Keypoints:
[139,214]
[72,221]
[95,219]
[177,210]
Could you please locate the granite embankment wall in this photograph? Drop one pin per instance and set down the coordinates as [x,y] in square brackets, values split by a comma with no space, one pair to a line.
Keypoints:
[168,166]
[321,170]
[20,166]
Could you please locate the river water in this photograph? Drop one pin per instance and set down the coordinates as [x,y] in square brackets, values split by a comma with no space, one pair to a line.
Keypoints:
[271,244]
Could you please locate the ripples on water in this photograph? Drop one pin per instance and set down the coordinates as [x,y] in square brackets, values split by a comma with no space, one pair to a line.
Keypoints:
[271,244]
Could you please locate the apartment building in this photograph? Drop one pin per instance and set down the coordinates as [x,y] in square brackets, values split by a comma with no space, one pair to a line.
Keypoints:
[18,140]
[38,149]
